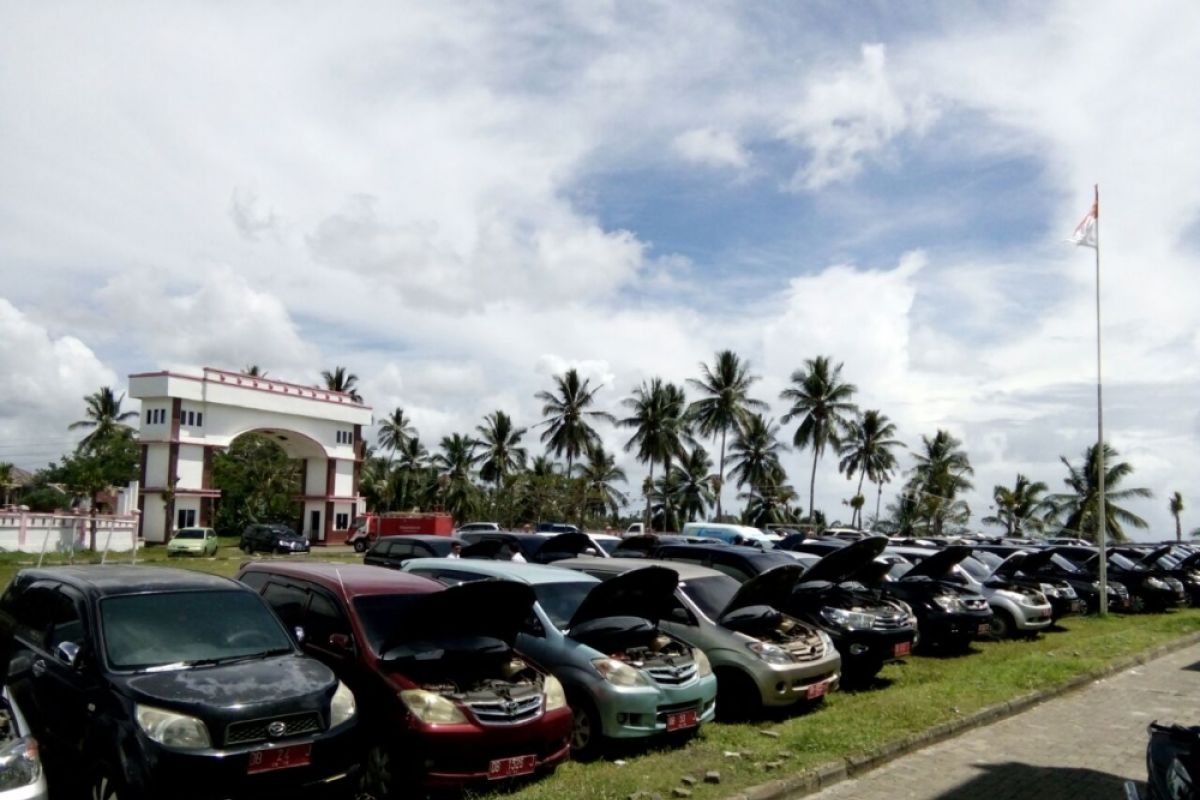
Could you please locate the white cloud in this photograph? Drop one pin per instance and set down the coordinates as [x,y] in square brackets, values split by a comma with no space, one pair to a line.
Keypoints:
[711,148]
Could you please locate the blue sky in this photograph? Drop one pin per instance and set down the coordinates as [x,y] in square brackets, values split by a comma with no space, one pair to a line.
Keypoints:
[457,201]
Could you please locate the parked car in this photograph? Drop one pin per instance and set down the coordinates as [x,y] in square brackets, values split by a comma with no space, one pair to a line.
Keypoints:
[624,677]
[730,534]
[478,526]
[444,699]
[556,527]
[1056,566]
[272,539]
[393,551]
[1016,609]
[1171,562]
[761,656]
[535,548]
[151,683]
[193,542]
[1020,568]
[643,545]
[21,774]
[1149,590]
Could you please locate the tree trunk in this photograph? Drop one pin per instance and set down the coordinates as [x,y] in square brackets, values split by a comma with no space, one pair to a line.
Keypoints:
[878,500]
[812,485]
[1178,530]
[721,476]
[858,511]
[649,493]
[667,509]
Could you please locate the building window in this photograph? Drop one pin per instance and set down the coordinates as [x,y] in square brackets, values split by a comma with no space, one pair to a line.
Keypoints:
[343,522]
[186,518]
[199,419]
[147,416]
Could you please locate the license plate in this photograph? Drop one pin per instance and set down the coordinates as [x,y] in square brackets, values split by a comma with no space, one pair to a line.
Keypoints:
[817,690]
[984,629]
[682,720]
[902,649]
[511,767]
[298,755]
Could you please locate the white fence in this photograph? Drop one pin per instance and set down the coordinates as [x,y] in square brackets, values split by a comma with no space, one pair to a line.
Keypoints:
[31,532]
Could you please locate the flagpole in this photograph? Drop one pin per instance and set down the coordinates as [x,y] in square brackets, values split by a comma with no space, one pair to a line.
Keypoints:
[1101,506]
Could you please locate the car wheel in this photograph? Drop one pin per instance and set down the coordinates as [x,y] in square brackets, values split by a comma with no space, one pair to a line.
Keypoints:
[104,786]
[738,697]
[1003,626]
[379,773]
[1137,604]
[360,546]
[587,732]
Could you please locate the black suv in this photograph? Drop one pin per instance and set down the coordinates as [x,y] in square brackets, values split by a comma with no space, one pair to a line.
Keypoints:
[393,551]
[146,683]
[273,539]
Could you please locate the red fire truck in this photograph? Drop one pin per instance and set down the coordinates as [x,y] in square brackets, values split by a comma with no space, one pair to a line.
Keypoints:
[369,527]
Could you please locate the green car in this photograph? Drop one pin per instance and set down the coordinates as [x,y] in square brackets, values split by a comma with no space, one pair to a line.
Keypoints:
[193,542]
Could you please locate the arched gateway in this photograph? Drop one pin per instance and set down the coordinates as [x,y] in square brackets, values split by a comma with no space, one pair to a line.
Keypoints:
[185,418]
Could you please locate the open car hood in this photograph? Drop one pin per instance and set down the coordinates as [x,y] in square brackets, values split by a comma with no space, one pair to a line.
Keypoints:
[1010,566]
[1151,558]
[493,609]
[566,545]
[1033,561]
[840,564]
[936,565]
[770,588]
[1190,562]
[647,592]
[873,574]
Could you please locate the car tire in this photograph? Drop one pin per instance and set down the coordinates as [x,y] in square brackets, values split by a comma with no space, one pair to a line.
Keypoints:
[380,773]
[738,697]
[104,785]
[360,546]
[587,731]
[1003,625]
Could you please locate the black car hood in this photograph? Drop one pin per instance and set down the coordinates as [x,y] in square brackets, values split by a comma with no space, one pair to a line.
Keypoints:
[771,588]
[1033,561]
[566,545]
[1151,559]
[494,609]
[647,592]
[243,689]
[873,574]
[937,564]
[1190,561]
[836,566]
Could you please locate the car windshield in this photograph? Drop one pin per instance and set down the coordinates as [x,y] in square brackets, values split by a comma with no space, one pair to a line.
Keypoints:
[975,568]
[170,630]
[608,545]
[899,566]
[383,615]
[712,594]
[991,559]
[1122,562]
[190,533]
[560,601]
[1064,564]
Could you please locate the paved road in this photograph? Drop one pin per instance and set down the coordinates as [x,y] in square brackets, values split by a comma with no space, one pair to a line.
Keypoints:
[1079,747]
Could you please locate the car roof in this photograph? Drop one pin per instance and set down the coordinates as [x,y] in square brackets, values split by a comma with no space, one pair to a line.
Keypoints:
[526,573]
[419,537]
[749,553]
[350,580]
[115,579]
[619,565]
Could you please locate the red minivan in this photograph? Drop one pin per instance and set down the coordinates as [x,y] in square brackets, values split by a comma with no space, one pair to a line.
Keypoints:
[443,699]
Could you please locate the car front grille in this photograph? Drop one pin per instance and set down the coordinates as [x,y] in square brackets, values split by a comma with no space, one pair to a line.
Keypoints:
[506,711]
[260,730]
[672,675]
[975,605]
[890,620]
[810,648]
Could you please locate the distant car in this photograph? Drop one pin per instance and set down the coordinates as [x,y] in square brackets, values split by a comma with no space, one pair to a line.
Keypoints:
[393,551]
[21,773]
[148,682]
[478,526]
[535,548]
[1149,589]
[272,539]
[731,534]
[556,527]
[193,542]
[636,529]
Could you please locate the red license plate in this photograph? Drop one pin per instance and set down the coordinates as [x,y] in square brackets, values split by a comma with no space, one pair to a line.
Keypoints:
[511,767]
[298,755]
[817,690]
[902,649]
[682,720]
[984,628]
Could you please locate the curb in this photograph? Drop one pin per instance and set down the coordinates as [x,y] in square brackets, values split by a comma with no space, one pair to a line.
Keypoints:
[819,777]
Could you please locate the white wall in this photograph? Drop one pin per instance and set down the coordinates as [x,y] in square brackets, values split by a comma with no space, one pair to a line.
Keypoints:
[190,466]
[343,479]
[29,533]
[152,518]
[157,459]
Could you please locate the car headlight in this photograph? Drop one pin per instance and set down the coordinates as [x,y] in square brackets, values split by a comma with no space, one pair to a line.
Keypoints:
[618,673]
[948,602]
[170,729]
[19,764]
[1156,583]
[703,665]
[431,707]
[1048,589]
[342,707]
[556,698]
[772,654]
[853,620]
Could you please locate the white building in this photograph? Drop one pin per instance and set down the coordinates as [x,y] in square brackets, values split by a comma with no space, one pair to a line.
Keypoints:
[186,418]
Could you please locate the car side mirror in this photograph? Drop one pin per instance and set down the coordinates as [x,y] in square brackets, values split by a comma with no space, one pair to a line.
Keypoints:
[679,614]
[339,641]
[68,653]
[298,631]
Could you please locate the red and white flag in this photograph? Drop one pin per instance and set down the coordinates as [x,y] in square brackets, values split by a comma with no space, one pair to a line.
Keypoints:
[1085,231]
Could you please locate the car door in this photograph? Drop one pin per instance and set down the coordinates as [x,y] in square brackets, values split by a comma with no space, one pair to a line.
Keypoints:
[64,675]
[399,553]
[25,615]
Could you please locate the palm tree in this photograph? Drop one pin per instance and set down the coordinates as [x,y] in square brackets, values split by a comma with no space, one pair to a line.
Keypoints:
[454,463]
[254,371]
[502,453]
[567,414]
[771,502]
[103,416]
[755,452]
[1076,509]
[341,381]
[690,485]
[867,449]
[6,480]
[598,475]
[1176,506]
[656,417]
[1019,506]
[822,403]
[941,473]
[412,459]
[726,402]
[395,430]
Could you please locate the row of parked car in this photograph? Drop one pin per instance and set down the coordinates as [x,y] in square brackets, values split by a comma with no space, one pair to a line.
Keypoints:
[313,679]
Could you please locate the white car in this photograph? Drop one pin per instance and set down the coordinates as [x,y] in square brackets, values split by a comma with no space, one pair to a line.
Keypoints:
[478,526]
[21,772]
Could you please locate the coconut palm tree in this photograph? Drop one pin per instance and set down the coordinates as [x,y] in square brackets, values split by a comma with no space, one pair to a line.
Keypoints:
[821,401]
[599,474]
[1076,509]
[6,480]
[1176,506]
[690,485]
[769,503]
[867,449]
[567,413]
[942,472]
[395,430]
[755,451]
[725,403]
[341,381]
[412,460]
[103,416]
[502,453]
[1020,506]
[656,417]
[254,371]
[454,462]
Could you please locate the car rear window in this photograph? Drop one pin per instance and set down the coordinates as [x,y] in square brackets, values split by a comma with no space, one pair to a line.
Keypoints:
[190,533]
[383,615]
[165,630]
[712,594]
[560,601]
